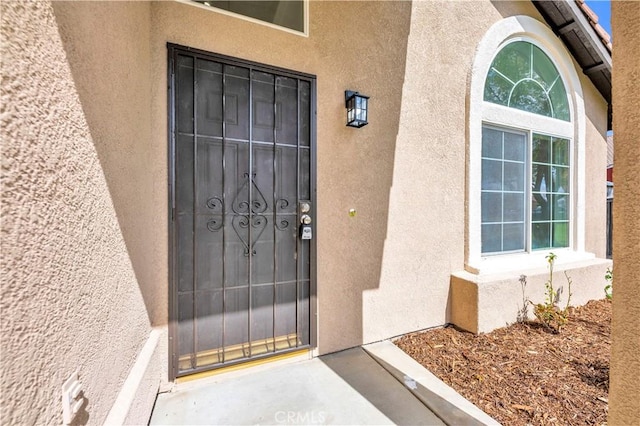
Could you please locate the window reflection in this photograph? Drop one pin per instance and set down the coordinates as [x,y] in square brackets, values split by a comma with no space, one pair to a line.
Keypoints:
[523,77]
[288,13]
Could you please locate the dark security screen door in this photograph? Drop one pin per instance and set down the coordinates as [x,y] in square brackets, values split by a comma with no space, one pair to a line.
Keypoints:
[241,156]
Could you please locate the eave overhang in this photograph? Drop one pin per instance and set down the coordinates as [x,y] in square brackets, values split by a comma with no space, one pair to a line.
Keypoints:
[593,54]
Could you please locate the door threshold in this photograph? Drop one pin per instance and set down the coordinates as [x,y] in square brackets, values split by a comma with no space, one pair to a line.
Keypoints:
[243,367]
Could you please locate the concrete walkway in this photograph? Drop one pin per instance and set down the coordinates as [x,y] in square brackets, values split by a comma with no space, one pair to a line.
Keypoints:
[377,384]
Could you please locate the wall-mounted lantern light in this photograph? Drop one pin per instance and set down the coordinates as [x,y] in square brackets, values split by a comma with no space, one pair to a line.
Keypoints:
[357,106]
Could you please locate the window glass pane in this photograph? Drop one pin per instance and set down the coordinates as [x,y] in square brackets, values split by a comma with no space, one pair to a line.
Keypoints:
[514,61]
[513,207]
[491,143]
[513,237]
[558,96]
[492,175]
[525,75]
[541,183]
[550,203]
[561,234]
[503,198]
[513,176]
[560,151]
[491,238]
[544,72]
[540,236]
[289,13]
[530,96]
[541,148]
[491,207]
[540,207]
[497,88]
[560,179]
[514,146]
[560,205]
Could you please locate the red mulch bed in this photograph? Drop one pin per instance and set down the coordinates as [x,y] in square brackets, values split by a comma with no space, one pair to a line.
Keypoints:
[525,374]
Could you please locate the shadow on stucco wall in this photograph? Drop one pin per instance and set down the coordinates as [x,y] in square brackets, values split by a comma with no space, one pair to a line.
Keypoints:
[355,166]
[117,55]
[107,48]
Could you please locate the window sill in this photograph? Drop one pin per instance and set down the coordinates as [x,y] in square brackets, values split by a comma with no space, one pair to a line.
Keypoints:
[521,262]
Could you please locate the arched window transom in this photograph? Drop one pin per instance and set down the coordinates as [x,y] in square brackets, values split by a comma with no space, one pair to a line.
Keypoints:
[523,77]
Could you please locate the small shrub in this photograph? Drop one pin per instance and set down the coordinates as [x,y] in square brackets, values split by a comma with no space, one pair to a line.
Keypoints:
[549,313]
[523,313]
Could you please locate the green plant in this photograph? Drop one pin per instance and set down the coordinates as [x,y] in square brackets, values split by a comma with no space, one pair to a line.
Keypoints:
[608,289]
[549,313]
[523,313]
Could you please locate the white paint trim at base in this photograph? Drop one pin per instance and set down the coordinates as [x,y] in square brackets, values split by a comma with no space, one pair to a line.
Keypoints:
[118,413]
[511,263]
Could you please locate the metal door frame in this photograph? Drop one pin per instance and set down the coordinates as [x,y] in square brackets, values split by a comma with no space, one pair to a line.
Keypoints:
[173,50]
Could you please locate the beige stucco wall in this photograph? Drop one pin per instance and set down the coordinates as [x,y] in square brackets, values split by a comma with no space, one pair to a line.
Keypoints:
[596,159]
[482,303]
[85,175]
[425,241]
[354,166]
[624,390]
[70,295]
[107,46]
[425,232]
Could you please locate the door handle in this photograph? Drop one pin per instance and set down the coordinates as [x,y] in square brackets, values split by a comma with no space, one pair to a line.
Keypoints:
[304,213]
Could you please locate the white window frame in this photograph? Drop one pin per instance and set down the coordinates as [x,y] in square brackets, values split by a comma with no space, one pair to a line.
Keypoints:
[523,28]
[214,9]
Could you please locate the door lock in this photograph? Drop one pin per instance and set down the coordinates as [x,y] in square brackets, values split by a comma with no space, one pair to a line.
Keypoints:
[304,209]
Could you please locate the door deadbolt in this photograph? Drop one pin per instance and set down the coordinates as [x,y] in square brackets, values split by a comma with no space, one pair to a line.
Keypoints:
[305,207]
[305,219]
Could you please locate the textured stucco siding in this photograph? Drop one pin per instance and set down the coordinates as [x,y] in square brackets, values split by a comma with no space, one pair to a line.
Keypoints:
[481,304]
[355,166]
[426,228]
[108,52]
[624,391]
[595,160]
[85,177]
[70,299]
[425,232]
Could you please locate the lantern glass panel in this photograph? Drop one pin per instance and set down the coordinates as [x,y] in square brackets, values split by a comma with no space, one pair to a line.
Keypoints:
[356,109]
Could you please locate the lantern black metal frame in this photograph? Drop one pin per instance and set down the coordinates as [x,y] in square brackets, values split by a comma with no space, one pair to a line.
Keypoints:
[357,108]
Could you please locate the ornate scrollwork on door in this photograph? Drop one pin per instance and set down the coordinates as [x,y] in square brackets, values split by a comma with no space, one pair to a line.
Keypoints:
[258,223]
[247,214]
[258,203]
[216,204]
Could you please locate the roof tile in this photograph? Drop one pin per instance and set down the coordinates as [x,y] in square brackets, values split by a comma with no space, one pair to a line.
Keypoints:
[604,35]
[592,17]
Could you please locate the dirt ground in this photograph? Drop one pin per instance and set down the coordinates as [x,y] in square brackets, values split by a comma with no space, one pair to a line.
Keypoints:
[525,374]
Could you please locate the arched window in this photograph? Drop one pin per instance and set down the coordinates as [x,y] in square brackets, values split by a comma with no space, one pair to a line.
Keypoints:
[522,76]
[525,171]
[526,147]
